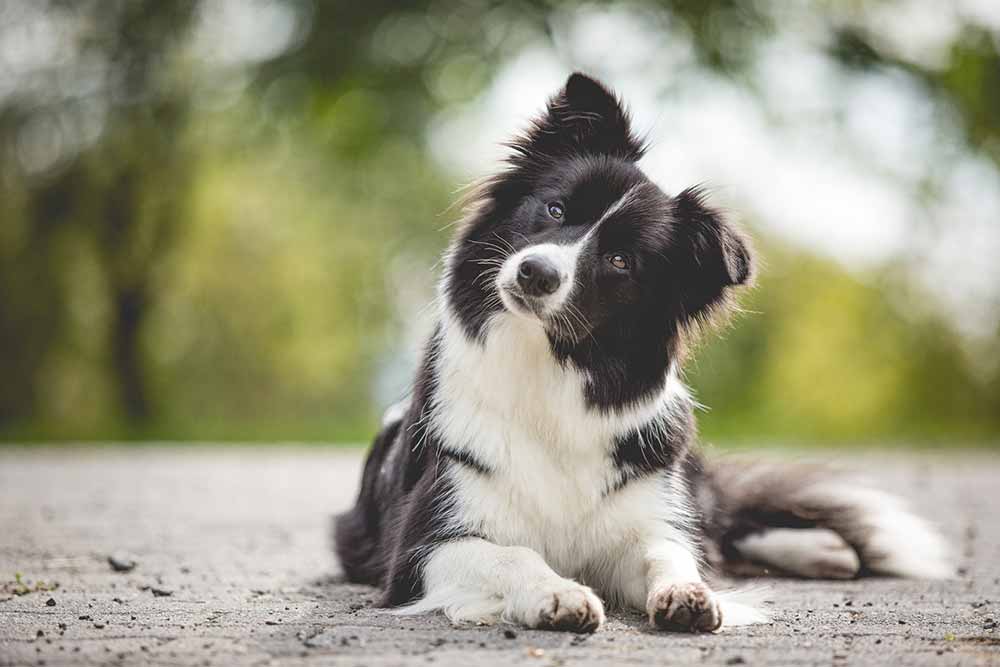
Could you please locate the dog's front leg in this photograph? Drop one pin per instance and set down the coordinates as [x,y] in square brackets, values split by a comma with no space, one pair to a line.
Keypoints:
[476,581]
[677,599]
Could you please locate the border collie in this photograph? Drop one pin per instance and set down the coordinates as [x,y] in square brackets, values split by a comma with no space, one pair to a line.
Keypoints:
[545,464]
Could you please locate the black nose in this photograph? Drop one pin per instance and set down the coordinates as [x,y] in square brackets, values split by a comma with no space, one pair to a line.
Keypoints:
[537,276]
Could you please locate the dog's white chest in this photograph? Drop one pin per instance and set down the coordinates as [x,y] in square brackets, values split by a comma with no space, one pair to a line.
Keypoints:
[510,405]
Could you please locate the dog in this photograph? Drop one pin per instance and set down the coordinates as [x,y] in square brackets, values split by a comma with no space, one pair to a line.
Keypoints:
[545,463]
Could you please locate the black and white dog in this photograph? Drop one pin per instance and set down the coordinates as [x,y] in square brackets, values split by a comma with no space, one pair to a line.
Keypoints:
[544,465]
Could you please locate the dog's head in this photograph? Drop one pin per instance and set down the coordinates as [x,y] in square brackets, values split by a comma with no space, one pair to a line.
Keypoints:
[574,235]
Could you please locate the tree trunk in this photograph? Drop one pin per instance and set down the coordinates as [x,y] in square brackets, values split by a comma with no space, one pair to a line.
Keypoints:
[126,348]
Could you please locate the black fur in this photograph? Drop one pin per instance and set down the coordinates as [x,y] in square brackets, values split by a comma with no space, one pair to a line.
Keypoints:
[660,445]
[626,330]
[397,517]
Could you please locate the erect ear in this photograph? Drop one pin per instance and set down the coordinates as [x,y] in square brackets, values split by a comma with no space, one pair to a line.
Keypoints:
[709,253]
[583,118]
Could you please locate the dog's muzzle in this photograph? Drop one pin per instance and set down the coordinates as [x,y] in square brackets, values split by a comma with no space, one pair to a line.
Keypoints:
[538,276]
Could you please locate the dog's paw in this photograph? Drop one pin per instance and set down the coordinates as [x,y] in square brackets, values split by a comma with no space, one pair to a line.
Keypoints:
[570,607]
[688,607]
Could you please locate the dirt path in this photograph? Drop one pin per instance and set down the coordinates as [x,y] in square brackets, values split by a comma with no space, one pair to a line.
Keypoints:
[233,567]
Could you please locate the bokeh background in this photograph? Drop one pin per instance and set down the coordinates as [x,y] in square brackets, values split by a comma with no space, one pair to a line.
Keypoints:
[219,219]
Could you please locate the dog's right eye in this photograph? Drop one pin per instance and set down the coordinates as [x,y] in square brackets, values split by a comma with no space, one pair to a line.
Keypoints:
[556,211]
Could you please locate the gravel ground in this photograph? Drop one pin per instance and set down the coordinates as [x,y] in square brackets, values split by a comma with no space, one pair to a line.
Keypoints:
[233,566]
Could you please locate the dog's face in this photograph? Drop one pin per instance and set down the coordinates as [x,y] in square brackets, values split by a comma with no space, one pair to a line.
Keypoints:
[576,237]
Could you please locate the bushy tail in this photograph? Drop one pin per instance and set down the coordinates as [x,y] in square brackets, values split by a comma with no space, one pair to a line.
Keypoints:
[813,521]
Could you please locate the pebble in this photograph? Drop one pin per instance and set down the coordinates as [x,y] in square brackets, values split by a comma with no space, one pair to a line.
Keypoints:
[121,562]
[51,602]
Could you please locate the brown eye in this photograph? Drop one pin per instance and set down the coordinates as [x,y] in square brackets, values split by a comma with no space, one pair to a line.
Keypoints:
[556,210]
[620,262]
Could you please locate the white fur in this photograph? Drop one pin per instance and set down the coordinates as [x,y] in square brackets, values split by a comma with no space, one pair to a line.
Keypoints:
[545,507]
[743,607]
[473,580]
[897,542]
[395,412]
[563,257]
[807,552]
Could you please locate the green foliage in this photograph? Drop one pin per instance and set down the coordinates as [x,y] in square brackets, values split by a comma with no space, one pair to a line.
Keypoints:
[203,264]
[820,355]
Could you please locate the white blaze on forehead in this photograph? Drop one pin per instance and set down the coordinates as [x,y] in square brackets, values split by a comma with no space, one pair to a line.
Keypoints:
[615,207]
[565,257]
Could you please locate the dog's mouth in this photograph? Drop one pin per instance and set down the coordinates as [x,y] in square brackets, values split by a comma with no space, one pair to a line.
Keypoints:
[558,324]
[519,303]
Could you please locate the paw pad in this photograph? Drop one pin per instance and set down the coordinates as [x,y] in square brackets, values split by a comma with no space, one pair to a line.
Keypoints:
[688,607]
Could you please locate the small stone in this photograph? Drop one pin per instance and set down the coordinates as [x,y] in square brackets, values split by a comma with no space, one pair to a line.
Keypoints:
[100,624]
[121,562]
[160,592]
[270,622]
[509,634]
[736,660]
[40,634]
[536,652]
[85,617]
[51,602]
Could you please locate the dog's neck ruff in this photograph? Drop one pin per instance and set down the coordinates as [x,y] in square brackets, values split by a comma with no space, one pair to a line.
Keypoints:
[509,379]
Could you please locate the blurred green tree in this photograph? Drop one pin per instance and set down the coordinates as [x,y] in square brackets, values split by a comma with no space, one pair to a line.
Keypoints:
[124,193]
[188,238]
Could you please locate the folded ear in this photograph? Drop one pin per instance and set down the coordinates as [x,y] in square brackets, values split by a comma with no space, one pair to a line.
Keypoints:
[584,118]
[708,253]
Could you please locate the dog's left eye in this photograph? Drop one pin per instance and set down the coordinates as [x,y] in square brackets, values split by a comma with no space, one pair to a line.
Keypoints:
[619,261]
[556,210]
